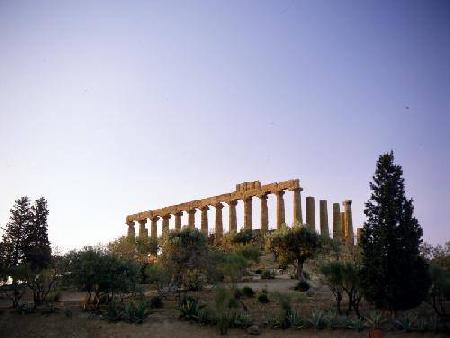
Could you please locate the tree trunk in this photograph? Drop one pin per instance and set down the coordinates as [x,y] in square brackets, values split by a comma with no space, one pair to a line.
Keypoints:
[300,275]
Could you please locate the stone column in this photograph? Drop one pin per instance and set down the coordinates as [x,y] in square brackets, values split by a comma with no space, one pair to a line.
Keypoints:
[324,218]
[154,229]
[178,220]
[264,214]
[232,222]
[280,209]
[191,219]
[204,220]
[142,229]
[337,225]
[359,234]
[131,234]
[219,222]
[311,213]
[165,225]
[248,213]
[298,218]
[344,229]
[348,221]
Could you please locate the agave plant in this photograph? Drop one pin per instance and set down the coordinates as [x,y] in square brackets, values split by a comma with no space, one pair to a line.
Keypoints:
[406,323]
[318,319]
[356,324]
[375,320]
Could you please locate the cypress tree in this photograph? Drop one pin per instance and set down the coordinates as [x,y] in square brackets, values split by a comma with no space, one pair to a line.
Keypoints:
[37,247]
[394,275]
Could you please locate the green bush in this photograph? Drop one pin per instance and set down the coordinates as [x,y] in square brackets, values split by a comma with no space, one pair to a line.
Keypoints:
[267,274]
[248,291]
[263,298]
[302,286]
[258,271]
[135,312]
[53,296]
[132,312]
[156,302]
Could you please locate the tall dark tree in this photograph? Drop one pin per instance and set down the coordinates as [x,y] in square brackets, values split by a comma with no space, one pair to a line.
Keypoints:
[36,244]
[19,221]
[12,253]
[25,249]
[394,275]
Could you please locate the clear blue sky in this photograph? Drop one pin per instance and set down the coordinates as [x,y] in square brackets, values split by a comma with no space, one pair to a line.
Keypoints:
[112,107]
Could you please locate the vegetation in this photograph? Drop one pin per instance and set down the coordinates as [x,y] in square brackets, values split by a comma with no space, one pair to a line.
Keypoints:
[294,246]
[25,253]
[101,274]
[394,275]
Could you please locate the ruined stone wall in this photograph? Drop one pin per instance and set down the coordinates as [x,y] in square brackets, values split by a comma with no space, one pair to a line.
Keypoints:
[245,192]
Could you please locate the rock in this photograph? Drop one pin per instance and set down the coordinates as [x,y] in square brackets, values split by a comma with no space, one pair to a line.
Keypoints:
[254,330]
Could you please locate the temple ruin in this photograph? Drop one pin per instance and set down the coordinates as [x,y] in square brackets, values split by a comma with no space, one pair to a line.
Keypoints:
[245,192]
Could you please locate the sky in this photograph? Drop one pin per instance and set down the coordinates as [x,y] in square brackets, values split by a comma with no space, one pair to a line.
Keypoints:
[108,108]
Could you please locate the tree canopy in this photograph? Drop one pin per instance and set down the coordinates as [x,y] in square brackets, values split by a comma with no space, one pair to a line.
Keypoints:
[394,275]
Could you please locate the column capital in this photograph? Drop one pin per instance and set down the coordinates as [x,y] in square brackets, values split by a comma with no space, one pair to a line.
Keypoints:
[263,196]
[130,223]
[179,213]
[168,216]
[191,211]
[232,202]
[280,192]
[218,205]
[346,202]
[142,221]
[155,218]
[204,208]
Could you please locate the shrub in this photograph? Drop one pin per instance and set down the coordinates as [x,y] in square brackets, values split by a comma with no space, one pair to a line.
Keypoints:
[156,302]
[258,271]
[248,291]
[302,286]
[237,293]
[267,274]
[263,298]
[135,312]
[53,296]
[157,275]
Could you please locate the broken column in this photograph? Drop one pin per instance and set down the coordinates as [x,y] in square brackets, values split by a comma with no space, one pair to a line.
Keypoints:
[311,213]
[219,222]
[264,214]
[204,220]
[232,222]
[359,235]
[191,218]
[298,218]
[178,220]
[337,225]
[280,209]
[248,213]
[348,221]
[131,234]
[142,233]
[324,231]
[154,229]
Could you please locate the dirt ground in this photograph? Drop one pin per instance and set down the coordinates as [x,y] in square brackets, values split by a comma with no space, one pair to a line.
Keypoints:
[157,325]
